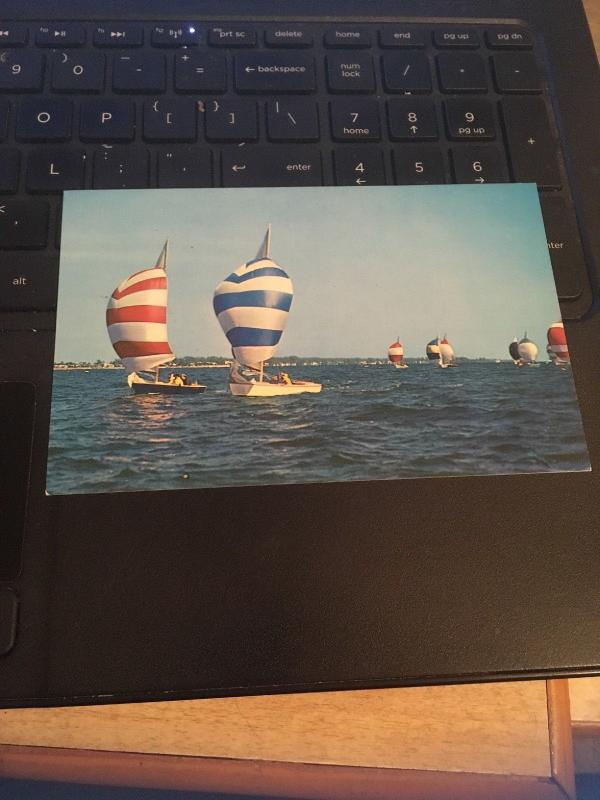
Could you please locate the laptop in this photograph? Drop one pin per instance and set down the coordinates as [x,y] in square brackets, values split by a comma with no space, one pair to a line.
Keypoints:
[252,585]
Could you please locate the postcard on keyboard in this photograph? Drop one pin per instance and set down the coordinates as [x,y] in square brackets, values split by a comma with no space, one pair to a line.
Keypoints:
[220,337]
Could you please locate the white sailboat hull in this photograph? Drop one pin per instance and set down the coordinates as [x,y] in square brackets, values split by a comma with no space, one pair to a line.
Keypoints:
[263,389]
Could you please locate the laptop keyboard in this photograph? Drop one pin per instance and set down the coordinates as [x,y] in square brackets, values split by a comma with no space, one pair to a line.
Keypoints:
[139,105]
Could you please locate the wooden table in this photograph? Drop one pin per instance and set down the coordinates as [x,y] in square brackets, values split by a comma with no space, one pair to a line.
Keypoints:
[503,742]
[507,741]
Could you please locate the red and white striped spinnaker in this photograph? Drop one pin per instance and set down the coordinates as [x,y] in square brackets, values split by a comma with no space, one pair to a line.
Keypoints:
[558,349]
[396,352]
[136,318]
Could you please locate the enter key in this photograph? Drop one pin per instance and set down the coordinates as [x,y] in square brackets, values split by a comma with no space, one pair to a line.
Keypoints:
[564,246]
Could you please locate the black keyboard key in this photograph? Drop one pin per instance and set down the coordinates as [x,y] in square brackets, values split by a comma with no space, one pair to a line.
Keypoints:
[564,246]
[10,160]
[419,165]
[170,120]
[118,35]
[455,37]
[509,38]
[13,34]
[272,166]
[120,168]
[4,115]
[355,120]
[406,72]
[23,224]
[170,35]
[532,148]
[288,36]
[292,120]
[516,73]
[21,71]
[231,121]
[479,165]
[412,119]
[44,119]
[78,72]
[17,411]
[351,72]
[232,36]
[359,167]
[185,168]
[470,119]
[200,72]
[9,604]
[347,37]
[462,72]
[107,120]
[274,73]
[55,170]
[401,37]
[69,34]
[139,72]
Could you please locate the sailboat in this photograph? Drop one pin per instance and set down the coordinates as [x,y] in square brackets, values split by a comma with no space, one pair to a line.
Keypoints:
[557,349]
[433,349]
[446,358]
[136,320]
[252,305]
[528,352]
[396,355]
[513,349]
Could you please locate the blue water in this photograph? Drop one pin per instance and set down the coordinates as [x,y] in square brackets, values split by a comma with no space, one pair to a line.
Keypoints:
[368,423]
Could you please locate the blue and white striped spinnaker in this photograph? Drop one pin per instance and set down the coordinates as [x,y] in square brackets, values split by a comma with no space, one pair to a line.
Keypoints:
[252,306]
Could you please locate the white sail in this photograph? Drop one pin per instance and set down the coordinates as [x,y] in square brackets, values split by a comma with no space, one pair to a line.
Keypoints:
[528,350]
[446,351]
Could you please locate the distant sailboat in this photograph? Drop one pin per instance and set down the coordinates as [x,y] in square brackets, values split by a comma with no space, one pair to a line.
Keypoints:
[513,349]
[396,355]
[252,305]
[136,320]
[528,351]
[557,349]
[447,358]
[433,349]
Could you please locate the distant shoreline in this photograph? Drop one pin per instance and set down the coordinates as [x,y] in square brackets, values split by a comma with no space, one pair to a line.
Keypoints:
[359,362]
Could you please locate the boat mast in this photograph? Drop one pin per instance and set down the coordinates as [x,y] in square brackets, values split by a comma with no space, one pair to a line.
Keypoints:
[161,263]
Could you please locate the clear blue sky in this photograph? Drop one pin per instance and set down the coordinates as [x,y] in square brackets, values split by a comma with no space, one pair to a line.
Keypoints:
[367,264]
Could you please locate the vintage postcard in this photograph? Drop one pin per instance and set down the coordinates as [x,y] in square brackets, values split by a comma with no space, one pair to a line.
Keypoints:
[219,337]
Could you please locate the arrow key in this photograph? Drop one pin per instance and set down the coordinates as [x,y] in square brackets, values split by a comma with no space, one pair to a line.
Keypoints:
[23,224]
[359,167]
[479,165]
